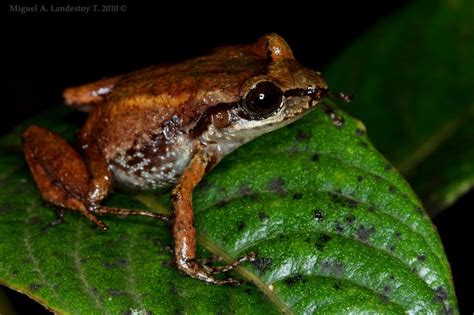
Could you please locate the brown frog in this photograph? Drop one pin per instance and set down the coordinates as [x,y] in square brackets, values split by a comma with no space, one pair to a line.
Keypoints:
[170,125]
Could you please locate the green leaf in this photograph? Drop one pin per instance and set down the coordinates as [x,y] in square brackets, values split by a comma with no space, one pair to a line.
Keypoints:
[412,77]
[334,226]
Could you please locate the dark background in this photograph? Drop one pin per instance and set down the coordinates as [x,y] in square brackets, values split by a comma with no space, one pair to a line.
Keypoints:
[43,53]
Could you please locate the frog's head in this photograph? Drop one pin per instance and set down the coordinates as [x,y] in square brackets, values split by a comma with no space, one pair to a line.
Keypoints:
[281,92]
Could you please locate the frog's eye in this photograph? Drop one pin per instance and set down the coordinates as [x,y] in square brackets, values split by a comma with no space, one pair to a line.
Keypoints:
[263,100]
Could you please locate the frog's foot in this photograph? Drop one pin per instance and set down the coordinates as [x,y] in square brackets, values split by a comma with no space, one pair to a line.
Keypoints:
[101,210]
[212,270]
[346,97]
[336,119]
[59,171]
[59,216]
[194,270]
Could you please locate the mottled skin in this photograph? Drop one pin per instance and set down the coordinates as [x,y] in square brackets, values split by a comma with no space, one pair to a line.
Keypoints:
[169,125]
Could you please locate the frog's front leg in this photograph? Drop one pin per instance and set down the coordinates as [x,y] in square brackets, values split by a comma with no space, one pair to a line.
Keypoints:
[184,232]
[68,180]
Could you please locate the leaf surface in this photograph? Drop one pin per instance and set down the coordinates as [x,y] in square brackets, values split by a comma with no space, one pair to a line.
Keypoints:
[334,226]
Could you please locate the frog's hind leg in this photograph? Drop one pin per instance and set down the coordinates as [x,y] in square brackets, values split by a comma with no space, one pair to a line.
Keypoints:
[69,181]
[86,96]
[59,171]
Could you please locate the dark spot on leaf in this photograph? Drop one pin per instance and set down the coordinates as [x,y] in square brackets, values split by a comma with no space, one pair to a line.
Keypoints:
[360,178]
[245,190]
[392,189]
[297,196]
[307,240]
[315,157]
[34,287]
[364,233]
[22,186]
[116,292]
[339,227]
[115,263]
[351,203]
[318,215]
[222,203]
[350,218]
[371,209]
[387,289]
[336,199]
[384,298]
[378,178]
[167,264]
[398,235]
[95,292]
[294,280]
[82,261]
[262,216]
[204,185]
[262,263]
[388,167]
[5,208]
[360,132]
[302,136]
[277,185]
[363,144]
[414,270]
[321,241]
[240,226]
[173,289]
[391,277]
[337,285]
[421,257]
[248,290]
[392,248]
[35,221]
[332,268]
[440,294]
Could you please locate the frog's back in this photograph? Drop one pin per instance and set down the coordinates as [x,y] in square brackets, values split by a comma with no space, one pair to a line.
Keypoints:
[142,126]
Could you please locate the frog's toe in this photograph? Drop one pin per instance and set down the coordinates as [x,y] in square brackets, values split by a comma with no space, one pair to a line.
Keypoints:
[220,269]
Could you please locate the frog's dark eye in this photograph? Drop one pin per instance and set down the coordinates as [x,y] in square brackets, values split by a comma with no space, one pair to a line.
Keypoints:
[263,100]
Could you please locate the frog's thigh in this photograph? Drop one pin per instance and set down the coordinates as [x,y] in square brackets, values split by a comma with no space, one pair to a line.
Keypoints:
[59,171]
[86,96]
[101,180]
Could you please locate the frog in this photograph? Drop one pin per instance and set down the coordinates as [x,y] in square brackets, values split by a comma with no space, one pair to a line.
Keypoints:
[168,126]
